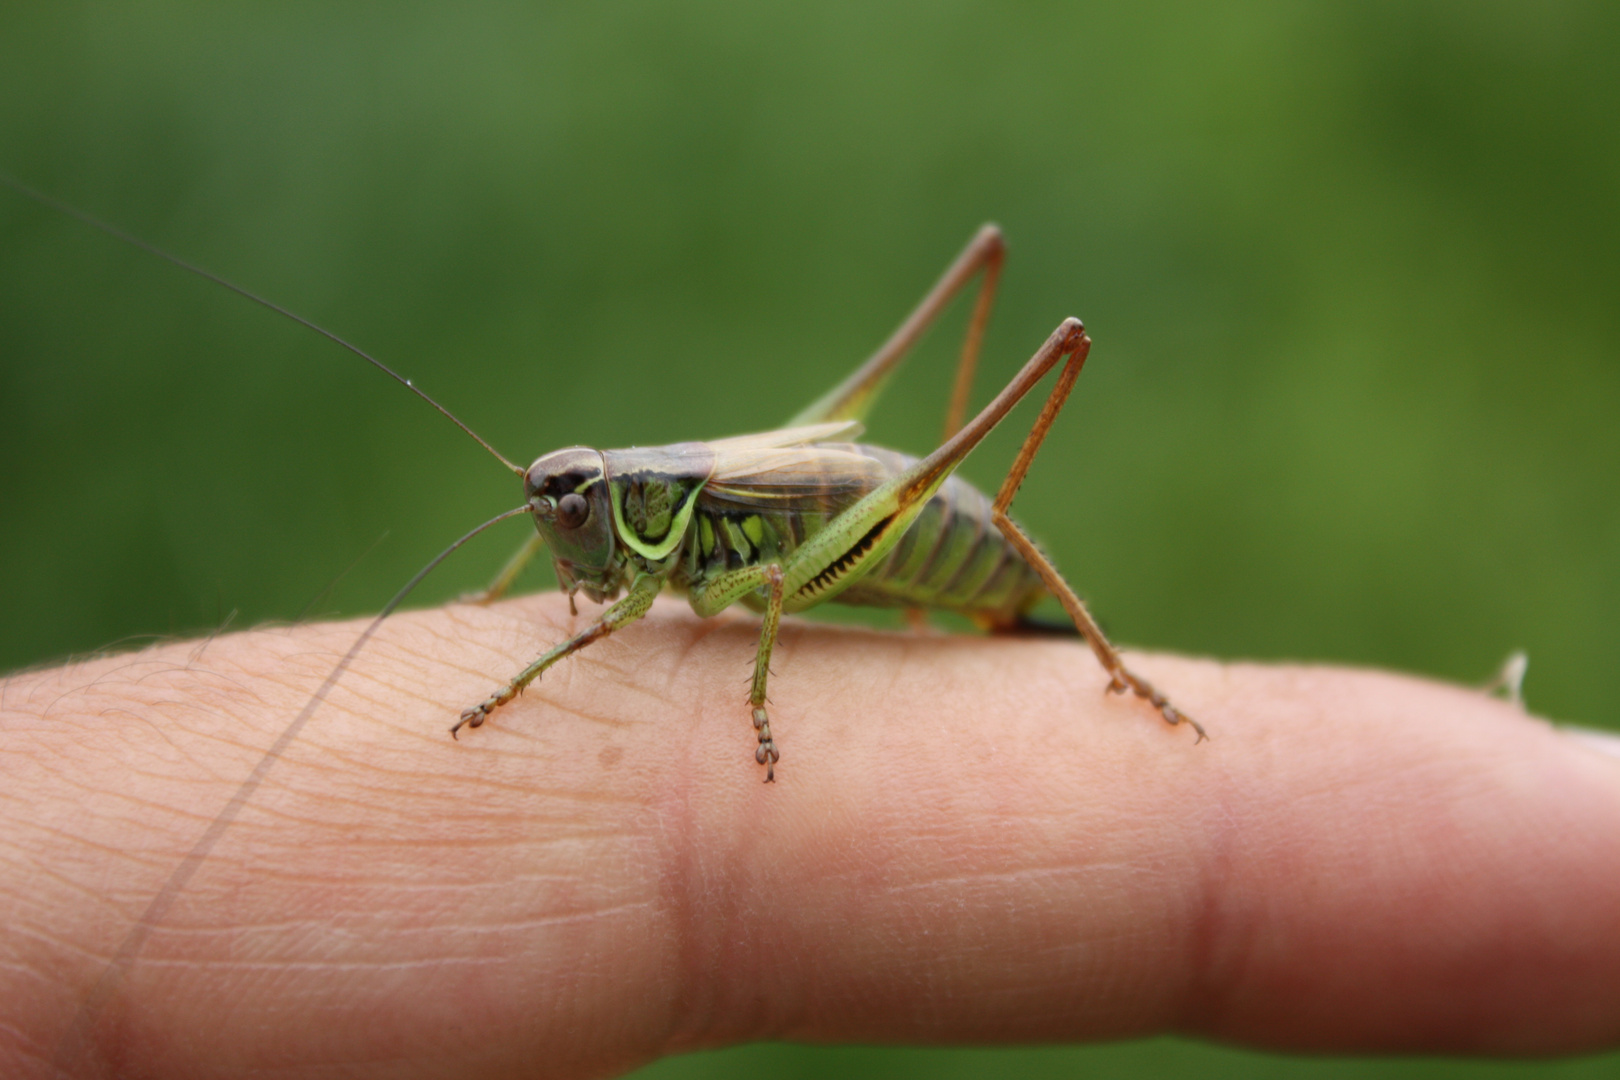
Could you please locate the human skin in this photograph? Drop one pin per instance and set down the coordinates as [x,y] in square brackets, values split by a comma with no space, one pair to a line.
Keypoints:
[968,842]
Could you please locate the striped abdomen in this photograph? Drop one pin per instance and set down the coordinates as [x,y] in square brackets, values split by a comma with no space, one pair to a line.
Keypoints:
[951,558]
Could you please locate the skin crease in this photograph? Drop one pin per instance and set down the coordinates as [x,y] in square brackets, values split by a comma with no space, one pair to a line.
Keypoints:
[968,842]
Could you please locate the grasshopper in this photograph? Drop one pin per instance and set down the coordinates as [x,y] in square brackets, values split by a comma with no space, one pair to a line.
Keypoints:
[788,519]
[782,520]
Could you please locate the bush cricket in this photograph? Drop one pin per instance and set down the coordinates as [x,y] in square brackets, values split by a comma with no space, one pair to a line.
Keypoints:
[787,519]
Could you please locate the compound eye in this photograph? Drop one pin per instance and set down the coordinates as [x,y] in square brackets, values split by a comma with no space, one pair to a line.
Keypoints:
[572,510]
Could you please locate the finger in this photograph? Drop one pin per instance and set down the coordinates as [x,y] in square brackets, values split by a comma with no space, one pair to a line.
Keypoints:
[968,841]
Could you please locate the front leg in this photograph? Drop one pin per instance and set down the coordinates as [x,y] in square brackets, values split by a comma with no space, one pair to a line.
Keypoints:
[509,573]
[626,611]
[719,594]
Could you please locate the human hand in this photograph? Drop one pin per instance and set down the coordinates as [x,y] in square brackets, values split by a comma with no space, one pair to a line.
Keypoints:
[968,842]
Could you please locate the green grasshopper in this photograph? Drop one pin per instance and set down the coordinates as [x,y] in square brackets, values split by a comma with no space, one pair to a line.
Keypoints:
[780,521]
[788,519]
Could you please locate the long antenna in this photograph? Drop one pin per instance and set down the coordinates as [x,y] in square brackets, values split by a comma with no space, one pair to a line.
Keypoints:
[114,231]
[76,1042]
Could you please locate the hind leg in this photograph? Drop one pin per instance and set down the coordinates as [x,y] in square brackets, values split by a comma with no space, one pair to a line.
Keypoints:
[1121,678]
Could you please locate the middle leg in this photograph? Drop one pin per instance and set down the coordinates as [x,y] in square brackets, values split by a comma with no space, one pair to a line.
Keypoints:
[719,594]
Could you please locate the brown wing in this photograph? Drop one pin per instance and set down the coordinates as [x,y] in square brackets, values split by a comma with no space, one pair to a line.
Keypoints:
[825,477]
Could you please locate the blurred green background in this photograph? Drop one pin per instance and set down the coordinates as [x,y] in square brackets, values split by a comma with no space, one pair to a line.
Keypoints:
[1352,270]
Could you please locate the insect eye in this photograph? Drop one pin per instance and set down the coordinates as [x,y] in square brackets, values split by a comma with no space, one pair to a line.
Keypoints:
[572,510]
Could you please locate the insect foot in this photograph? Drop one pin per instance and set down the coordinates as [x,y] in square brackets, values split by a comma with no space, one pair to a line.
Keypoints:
[1122,680]
[765,753]
[475,716]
